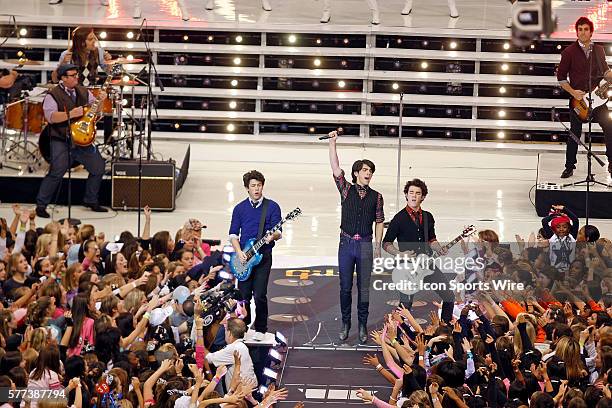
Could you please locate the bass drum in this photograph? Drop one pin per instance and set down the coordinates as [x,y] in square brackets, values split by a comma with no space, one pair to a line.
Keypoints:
[44,146]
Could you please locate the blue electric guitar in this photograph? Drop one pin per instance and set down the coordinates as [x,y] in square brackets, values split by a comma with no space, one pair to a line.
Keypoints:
[242,271]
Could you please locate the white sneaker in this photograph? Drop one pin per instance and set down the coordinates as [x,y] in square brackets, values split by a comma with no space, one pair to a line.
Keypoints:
[326,16]
[257,336]
[104,2]
[407,8]
[375,17]
[55,1]
[137,12]
[452,6]
[210,4]
[265,4]
[183,9]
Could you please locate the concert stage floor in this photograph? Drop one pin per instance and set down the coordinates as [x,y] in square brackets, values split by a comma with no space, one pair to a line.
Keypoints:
[551,189]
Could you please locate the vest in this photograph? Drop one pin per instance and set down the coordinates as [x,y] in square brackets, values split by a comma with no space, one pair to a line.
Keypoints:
[358,214]
[64,102]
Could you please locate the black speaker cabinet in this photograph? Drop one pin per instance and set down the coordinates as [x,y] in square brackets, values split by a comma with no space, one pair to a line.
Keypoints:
[157,188]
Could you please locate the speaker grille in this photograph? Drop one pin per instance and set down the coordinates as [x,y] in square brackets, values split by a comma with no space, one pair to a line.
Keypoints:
[156,192]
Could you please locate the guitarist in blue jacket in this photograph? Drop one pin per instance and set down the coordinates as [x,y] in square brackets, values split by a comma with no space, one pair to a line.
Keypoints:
[245,225]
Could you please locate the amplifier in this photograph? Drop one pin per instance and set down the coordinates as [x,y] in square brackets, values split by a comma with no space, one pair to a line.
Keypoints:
[157,188]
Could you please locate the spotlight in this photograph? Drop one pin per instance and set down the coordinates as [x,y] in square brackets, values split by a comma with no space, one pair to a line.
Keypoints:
[178,104]
[422,111]
[554,137]
[339,107]
[501,135]
[449,112]
[317,62]
[292,39]
[23,31]
[395,86]
[556,91]
[125,78]
[344,63]
[419,132]
[238,38]
[527,136]
[399,40]
[313,107]
[529,91]
[448,133]
[102,35]
[130,35]
[124,102]
[185,38]
[180,59]
[204,105]
[318,41]
[529,114]
[393,109]
[237,61]
[423,88]
[530,68]
[424,65]
[210,38]
[231,127]
[532,46]
[311,129]
[315,84]
[504,67]
[502,90]
[233,105]
[453,45]
[501,113]
[177,125]
[425,43]
[203,128]
[234,83]
[397,64]
[284,127]
[341,84]
[346,41]
[206,81]
[207,58]
[286,106]
[506,46]
[392,131]
[559,47]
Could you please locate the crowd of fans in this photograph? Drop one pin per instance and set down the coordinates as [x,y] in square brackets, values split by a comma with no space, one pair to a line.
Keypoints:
[121,322]
[547,346]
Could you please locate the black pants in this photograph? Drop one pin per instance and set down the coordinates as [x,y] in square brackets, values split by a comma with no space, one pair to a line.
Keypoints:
[601,115]
[257,286]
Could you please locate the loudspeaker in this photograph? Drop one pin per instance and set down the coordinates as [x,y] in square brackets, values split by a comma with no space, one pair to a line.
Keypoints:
[157,189]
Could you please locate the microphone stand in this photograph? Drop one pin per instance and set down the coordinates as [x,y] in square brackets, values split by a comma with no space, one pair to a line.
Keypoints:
[399,149]
[71,221]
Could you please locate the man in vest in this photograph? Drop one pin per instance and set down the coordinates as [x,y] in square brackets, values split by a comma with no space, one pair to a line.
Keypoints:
[64,103]
[361,207]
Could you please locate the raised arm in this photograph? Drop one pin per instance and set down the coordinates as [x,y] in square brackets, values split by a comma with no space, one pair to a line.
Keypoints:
[333,154]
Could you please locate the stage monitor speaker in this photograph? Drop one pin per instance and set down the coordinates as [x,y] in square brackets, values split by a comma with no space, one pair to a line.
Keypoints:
[157,189]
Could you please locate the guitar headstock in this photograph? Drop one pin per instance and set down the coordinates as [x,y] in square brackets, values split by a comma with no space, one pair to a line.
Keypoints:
[294,214]
[467,231]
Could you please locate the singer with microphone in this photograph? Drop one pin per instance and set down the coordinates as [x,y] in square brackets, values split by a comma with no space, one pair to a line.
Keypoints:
[573,76]
[362,207]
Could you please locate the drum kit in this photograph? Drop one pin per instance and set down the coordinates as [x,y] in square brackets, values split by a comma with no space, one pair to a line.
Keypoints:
[25,136]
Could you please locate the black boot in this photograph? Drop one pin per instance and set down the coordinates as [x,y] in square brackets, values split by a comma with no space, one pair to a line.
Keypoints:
[344,332]
[363,333]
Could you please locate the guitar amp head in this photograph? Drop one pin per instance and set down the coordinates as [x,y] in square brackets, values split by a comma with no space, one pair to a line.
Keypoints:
[157,188]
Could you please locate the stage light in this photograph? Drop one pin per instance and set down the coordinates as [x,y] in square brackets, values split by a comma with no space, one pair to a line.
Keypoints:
[203,128]
[125,78]
[237,61]
[177,125]
[313,107]
[339,107]
[448,133]
[346,41]
[130,35]
[284,127]
[234,83]
[556,91]
[395,86]
[180,59]
[124,102]
[532,46]
[422,111]
[178,104]
[210,38]
[501,135]
[311,129]
[423,88]
[102,35]
[501,113]
[292,39]
[341,84]
[506,46]
[502,90]
[559,47]
[425,43]
[318,41]
[424,65]
[527,136]
[529,114]
[230,127]
[554,137]
[238,38]
[504,67]
[207,58]
[317,62]
[392,131]
[233,104]
[393,109]
[530,68]
[529,91]
[23,31]
[397,64]
[419,132]
[453,45]
[315,84]
[286,106]
[399,40]
[449,112]
[344,63]
[206,82]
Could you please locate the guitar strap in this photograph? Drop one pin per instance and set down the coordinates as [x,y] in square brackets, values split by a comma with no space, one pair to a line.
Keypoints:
[425,226]
[262,220]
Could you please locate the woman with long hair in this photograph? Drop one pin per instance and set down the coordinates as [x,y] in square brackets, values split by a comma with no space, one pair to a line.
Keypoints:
[16,274]
[162,243]
[86,54]
[71,281]
[568,351]
[46,374]
[83,329]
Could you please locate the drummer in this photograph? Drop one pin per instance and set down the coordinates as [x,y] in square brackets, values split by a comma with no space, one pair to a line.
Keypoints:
[89,57]
[7,80]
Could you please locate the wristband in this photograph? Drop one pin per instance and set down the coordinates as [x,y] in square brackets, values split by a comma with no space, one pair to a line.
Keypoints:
[147,316]
[379,367]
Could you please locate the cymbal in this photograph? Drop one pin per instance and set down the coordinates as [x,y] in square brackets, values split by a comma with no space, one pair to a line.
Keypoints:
[50,85]
[123,61]
[21,61]
[121,82]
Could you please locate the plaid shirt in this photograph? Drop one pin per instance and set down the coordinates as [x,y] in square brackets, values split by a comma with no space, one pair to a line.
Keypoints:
[344,186]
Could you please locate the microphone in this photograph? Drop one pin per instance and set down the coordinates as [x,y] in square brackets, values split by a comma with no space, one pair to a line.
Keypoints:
[339,131]
[15,28]
[140,29]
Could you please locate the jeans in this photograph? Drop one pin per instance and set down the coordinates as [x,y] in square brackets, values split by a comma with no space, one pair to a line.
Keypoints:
[601,116]
[355,256]
[257,286]
[60,162]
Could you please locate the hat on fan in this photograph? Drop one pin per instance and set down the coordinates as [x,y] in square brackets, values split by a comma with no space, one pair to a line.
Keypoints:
[63,69]
[562,219]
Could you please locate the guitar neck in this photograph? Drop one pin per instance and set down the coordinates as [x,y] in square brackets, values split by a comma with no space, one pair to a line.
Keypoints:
[262,241]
